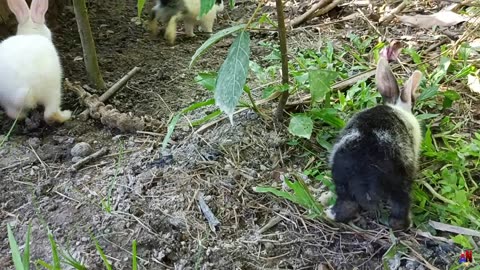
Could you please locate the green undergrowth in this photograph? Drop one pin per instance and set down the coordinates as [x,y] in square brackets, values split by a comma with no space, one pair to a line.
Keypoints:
[446,189]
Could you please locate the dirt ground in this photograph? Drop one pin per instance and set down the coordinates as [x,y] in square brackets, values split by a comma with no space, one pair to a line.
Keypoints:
[153,199]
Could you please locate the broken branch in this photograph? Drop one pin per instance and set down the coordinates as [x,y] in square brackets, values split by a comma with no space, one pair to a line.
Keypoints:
[80,163]
[109,116]
[112,90]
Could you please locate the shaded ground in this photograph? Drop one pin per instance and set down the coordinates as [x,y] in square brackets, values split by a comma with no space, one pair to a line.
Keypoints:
[153,199]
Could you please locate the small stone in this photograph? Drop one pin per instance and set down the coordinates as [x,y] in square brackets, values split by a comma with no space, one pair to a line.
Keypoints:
[34,142]
[263,167]
[76,159]
[81,149]
[411,265]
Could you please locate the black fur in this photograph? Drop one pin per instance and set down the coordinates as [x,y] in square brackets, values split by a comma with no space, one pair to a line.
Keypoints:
[366,170]
[165,9]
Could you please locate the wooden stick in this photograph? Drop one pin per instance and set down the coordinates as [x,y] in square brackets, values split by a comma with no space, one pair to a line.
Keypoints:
[212,220]
[112,90]
[85,160]
[305,16]
[386,19]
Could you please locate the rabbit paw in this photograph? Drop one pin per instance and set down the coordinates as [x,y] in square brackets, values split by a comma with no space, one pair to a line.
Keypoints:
[399,223]
[58,117]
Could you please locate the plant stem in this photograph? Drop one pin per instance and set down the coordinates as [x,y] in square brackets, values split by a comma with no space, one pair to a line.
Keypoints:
[88,44]
[282,36]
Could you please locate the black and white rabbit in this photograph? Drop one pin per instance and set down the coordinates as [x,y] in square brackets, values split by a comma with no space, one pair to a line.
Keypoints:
[376,154]
[172,11]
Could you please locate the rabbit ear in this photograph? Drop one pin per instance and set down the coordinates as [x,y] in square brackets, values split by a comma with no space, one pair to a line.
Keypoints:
[408,96]
[386,82]
[38,10]
[20,9]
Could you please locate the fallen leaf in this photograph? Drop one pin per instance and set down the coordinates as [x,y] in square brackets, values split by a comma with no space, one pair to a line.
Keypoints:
[441,18]
[474,83]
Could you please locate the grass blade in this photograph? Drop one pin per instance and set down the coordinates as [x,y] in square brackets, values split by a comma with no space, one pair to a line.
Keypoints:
[26,252]
[134,255]
[56,258]
[44,264]
[17,259]
[170,129]
[102,255]
[140,5]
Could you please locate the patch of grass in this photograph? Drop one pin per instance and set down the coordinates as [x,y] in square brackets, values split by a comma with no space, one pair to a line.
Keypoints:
[107,202]
[446,189]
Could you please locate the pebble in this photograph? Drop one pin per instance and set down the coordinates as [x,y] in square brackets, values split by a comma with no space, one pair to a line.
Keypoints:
[81,149]
[34,142]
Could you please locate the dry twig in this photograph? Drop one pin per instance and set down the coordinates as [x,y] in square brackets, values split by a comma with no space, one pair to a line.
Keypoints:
[308,14]
[212,220]
[80,163]
[111,117]
[112,90]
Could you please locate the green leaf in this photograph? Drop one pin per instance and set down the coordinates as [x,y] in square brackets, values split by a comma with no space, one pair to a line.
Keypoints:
[428,93]
[140,5]
[301,125]
[207,118]
[463,241]
[425,116]
[170,128]
[26,252]
[55,257]
[450,97]
[320,83]
[214,39]
[329,116]
[205,6]
[16,257]
[233,75]
[441,71]
[278,193]
[44,264]
[207,80]
[197,105]
[102,255]
[70,260]
[302,192]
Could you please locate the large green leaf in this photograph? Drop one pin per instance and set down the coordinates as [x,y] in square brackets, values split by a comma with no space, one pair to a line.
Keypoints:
[205,6]
[301,125]
[320,83]
[214,39]
[233,75]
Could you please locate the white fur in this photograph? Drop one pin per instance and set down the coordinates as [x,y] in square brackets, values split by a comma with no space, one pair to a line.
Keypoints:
[31,28]
[325,197]
[191,19]
[31,72]
[413,126]
[350,136]
[329,213]
[383,136]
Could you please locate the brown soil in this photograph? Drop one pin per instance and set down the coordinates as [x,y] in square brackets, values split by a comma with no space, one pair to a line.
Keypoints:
[153,194]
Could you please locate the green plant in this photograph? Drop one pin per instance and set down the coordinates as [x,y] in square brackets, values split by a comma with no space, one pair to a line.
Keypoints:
[107,202]
[20,262]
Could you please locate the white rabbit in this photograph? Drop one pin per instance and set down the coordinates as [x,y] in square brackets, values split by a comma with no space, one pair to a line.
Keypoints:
[30,69]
